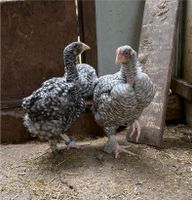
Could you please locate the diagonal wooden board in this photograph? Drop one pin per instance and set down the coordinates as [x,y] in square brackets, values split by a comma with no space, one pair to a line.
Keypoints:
[156,52]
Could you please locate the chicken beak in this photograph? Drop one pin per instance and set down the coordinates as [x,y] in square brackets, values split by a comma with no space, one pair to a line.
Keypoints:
[85,47]
[116,60]
[118,56]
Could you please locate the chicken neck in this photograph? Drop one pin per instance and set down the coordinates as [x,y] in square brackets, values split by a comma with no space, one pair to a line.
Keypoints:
[129,71]
[70,67]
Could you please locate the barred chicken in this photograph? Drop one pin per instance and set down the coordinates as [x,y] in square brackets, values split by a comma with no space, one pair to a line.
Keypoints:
[120,98]
[51,109]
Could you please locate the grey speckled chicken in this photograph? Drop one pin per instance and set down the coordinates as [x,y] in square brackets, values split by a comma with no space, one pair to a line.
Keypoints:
[120,98]
[87,79]
[50,110]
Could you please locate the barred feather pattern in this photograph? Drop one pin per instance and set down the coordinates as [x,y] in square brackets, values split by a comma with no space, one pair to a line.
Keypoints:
[119,99]
[145,91]
[51,109]
[87,79]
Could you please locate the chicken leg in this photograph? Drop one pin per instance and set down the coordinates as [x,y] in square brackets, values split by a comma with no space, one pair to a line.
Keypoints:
[71,144]
[55,149]
[112,146]
[136,126]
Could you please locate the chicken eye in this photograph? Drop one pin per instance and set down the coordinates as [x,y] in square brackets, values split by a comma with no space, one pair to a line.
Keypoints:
[75,46]
[126,53]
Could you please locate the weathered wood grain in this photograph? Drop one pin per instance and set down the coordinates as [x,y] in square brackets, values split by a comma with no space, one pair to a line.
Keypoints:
[13,131]
[156,53]
[175,112]
[182,88]
[187,56]
[87,30]
[33,35]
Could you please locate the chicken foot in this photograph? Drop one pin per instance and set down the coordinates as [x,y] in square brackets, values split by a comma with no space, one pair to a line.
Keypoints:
[55,149]
[112,146]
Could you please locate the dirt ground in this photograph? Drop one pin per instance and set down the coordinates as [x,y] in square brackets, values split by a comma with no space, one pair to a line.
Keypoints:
[31,171]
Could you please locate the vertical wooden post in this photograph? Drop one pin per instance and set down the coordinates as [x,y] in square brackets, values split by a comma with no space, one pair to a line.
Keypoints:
[87,29]
[187,57]
[156,52]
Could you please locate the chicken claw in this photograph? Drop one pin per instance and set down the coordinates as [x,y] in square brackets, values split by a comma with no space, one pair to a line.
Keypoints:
[122,148]
[112,146]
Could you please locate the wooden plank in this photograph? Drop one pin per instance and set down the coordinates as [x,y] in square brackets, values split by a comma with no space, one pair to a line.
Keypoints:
[33,36]
[187,56]
[182,88]
[13,131]
[87,28]
[175,112]
[156,52]
[177,71]
[11,103]
[187,50]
